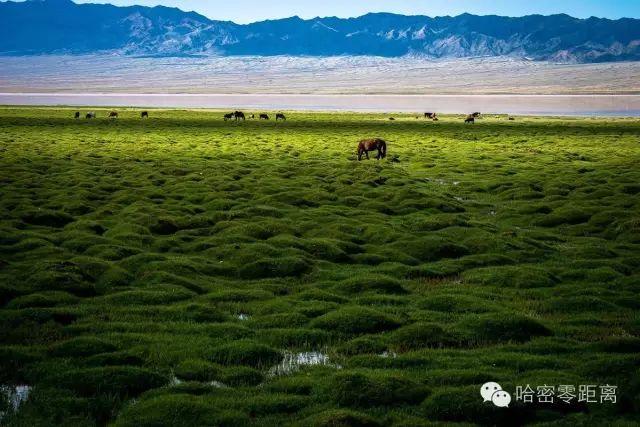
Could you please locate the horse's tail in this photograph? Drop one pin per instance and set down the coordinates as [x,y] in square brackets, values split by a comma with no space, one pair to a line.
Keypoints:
[383,148]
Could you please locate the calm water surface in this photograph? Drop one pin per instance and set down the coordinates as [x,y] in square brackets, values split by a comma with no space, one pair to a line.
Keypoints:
[572,105]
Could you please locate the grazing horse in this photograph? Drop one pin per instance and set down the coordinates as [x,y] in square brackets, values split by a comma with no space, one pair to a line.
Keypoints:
[77,115]
[264,116]
[144,114]
[431,116]
[90,115]
[391,118]
[470,119]
[280,116]
[367,145]
[113,115]
[229,116]
[511,118]
[239,115]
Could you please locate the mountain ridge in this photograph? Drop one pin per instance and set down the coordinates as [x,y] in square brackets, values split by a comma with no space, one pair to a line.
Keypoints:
[62,26]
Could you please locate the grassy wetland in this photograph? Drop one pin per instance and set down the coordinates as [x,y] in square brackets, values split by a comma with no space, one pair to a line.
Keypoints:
[183,270]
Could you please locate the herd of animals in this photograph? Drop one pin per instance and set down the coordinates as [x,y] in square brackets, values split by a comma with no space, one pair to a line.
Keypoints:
[239,115]
[364,147]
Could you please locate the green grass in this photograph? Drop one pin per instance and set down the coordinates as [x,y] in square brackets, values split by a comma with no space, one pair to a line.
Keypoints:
[505,251]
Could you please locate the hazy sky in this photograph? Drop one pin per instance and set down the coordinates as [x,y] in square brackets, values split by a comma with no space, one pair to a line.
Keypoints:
[244,11]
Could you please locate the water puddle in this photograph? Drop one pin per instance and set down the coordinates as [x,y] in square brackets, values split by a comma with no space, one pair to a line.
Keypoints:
[388,354]
[293,362]
[15,396]
[217,384]
[175,381]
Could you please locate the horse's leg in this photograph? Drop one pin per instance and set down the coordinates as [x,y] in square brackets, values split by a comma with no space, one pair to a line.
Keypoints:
[367,153]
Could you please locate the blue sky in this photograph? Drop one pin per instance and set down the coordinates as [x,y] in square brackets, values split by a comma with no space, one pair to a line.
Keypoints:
[244,11]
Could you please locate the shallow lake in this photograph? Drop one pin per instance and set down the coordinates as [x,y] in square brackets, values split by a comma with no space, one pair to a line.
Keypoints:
[547,105]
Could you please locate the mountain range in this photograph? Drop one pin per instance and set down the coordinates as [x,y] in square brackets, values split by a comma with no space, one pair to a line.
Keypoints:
[38,27]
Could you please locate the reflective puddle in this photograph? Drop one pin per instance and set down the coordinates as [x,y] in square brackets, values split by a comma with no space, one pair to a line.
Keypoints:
[293,362]
[14,396]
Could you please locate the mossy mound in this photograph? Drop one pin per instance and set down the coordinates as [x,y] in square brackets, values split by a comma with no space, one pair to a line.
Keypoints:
[82,346]
[275,267]
[364,345]
[341,418]
[246,353]
[47,218]
[43,299]
[513,276]
[371,283]
[430,248]
[179,410]
[198,370]
[457,304]
[364,391]
[501,327]
[123,381]
[422,335]
[241,376]
[569,216]
[465,404]
[355,320]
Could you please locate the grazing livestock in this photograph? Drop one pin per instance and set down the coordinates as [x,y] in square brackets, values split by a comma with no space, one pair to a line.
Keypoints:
[280,116]
[470,119]
[431,116]
[77,115]
[113,115]
[90,115]
[367,145]
[264,116]
[239,115]
[391,118]
[144,114]
[229,116]
[511,118]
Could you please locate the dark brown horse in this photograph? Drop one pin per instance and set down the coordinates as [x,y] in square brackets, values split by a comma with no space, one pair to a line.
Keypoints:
[264,116]
[90,115]
[280,116]
[367,145]
[228,116]
[431,116]
[470,119]
[77,115]
[113,115]
[144,114]
[239,115]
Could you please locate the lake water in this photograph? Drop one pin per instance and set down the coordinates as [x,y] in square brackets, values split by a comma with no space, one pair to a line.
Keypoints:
[554,105]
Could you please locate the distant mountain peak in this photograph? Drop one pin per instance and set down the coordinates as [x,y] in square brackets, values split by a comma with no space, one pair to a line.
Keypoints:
[64,26]
[53,2]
